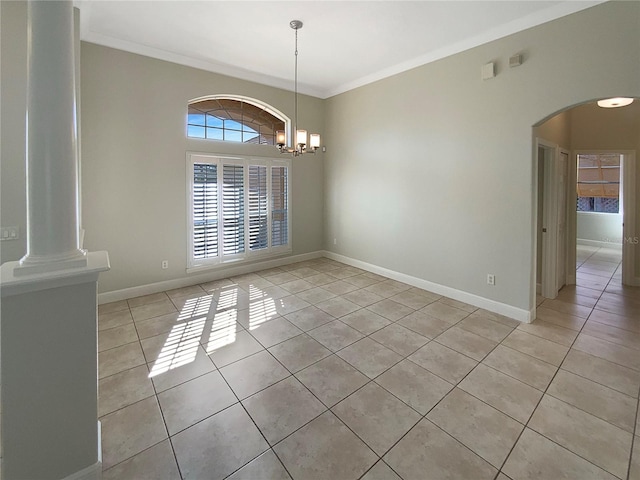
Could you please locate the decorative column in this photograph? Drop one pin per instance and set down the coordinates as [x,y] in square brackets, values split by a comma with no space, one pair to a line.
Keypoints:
[49,367]
[53,240]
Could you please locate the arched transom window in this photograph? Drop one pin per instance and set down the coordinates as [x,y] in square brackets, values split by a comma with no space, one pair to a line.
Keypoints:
[234,119]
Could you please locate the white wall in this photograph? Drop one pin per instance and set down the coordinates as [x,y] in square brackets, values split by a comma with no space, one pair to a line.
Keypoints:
[430,172]
[599,227]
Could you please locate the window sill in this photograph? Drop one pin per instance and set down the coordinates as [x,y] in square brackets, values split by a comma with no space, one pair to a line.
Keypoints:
[252,259]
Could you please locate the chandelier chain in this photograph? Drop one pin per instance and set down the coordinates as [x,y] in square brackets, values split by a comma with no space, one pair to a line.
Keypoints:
[295,126]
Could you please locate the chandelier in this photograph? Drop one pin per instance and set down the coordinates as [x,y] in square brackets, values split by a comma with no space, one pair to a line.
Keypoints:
[300,138]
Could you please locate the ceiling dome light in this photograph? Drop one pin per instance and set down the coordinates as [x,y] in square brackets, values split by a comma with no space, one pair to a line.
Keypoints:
[615,102]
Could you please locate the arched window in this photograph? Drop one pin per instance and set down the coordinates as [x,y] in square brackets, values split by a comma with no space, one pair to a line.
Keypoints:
[231,118]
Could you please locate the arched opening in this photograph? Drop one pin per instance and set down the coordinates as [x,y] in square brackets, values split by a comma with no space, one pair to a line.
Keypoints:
[579,260]
[234,118]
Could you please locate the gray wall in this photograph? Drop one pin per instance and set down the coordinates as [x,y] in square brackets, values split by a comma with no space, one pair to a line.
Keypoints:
[430,172]
[134,161]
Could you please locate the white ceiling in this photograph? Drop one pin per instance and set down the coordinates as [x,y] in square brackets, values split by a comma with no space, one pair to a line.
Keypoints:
[343,44]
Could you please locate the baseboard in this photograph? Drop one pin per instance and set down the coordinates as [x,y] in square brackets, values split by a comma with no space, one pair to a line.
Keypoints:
[596,243]
[93,472]
[475,300]
[126,293]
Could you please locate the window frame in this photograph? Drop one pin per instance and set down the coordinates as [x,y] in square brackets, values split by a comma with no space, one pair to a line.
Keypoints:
[577,155]
[193,158]
[240,98]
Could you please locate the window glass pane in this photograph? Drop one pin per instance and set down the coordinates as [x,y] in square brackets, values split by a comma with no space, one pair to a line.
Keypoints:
[250,137]
[232,136]
[213,121]
[197,132]
[196,119]
[232,125]
[215,133]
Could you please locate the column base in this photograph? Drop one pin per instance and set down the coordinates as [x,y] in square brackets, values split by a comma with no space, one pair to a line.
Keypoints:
[30,265]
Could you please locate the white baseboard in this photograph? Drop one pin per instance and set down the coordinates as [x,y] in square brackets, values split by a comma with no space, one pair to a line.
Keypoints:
[596,243]
[475,300]
[209,276]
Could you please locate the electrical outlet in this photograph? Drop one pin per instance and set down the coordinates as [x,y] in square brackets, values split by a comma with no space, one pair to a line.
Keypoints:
[165,264]
[9,233]
[491,279]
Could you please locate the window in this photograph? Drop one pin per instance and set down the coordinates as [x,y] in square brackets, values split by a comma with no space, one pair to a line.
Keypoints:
[599,183]
[238,208]
[234,119]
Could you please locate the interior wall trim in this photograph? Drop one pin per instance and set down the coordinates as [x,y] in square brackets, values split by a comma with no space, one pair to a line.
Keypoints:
[209,276]
[510,311]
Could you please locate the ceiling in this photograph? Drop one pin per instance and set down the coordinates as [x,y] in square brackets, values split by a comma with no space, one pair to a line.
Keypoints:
[343,44]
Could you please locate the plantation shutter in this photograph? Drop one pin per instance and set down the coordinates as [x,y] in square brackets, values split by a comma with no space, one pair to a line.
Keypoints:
[205,211]
[279,202]
[233,209]
[258,205]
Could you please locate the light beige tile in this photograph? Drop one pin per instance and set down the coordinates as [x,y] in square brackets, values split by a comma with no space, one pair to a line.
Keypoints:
[229,346]
[607,404]
[365,321]
[344,272]
[424,324]
[485,430]
[558,318]
[570,308]
[309,318]
[195,400]
[304,272]
[537,347]
[340,287]
[161,324]
[370,357]
[445,312]
[417,387]
[413,299]
[360,281]
[331,379]
[316,295]
[274,331]
[281,278]
[362,297]
[297,286]
[618,321]
[535,457]
[282,408]
[496,317]
[593,439]
[540,328]
[118,359]
[192,291]
[266,466]
[622,379]
[147,299]
[150,310]
[114,319]
[634,467]
[613,352]
[196,304]
[130,430]
[338,307]
[399,339]
[117,336]
[216,285]
[325,448]
[124,388]
[176,366]
[467,343]
[381,471]
[510,396]
[426,448]
[252,374]
[376,416]
[525,368]
[290,304]
[299,352]
[612,334]
[444,362]
[218,445]
[267,272]
[485,327]
[390,310]
[320,279]
[155,463]
[458,304]
[335,335]
[113,307]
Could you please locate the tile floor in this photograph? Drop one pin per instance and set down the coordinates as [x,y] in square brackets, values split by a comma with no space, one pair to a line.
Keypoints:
[319,370]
